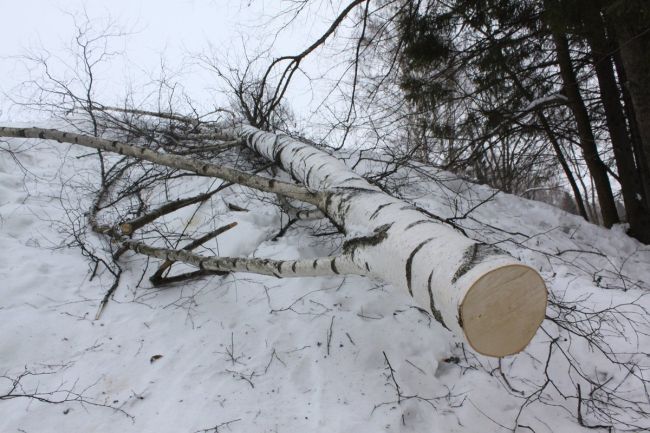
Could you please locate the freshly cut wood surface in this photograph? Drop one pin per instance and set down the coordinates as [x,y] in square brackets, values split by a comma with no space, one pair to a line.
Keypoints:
[503,309]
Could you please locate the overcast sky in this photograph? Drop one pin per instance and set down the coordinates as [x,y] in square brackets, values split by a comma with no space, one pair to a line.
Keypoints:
[158,30]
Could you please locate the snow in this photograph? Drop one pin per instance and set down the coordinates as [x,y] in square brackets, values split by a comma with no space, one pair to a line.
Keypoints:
[545,100]
[249,353]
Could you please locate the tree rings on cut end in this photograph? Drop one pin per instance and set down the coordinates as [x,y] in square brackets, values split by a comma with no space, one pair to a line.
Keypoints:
[503,309]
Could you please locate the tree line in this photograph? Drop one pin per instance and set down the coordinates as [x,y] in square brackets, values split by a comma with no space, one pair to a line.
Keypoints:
[517,93]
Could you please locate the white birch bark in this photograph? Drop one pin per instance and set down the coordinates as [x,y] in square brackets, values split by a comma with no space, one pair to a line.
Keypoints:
[483,295]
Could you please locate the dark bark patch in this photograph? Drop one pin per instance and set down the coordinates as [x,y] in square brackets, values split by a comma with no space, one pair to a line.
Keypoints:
[349,179]
[379,208]
[416,223]
[333,265]
[379,235]
[409,263]
[278,155]
[468,259]
[474,255]
[432,305]
[308,174]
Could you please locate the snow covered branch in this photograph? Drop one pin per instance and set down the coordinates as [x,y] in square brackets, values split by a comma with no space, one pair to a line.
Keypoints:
[173,161]
[323,266]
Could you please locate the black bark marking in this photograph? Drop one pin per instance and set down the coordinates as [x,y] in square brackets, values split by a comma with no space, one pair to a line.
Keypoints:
[379,208]
[434,311]
[409,263]
[367,267]
[328,201]
[341,208]
[349,179]
[276,139]
[314,153]
[380,234]
[293,267]
[333,265]
[255,139]
[315,264]
[416,223]
[41,134]
[278,153]
[307,175]
[468,259]
[474,255]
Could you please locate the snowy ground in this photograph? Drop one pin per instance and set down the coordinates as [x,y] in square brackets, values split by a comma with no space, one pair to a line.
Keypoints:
[247,353]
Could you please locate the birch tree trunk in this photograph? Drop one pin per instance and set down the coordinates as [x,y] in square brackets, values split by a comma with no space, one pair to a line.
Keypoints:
[478,292]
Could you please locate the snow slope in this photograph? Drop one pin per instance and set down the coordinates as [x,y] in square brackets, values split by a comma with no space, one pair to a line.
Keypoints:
[248,353]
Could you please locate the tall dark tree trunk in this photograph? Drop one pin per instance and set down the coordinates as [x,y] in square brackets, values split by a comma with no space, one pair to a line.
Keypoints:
[632,31]
[596,166]
[638,215]
[630,115]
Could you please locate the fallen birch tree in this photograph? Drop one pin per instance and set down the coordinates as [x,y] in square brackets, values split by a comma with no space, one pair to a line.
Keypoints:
[484,296]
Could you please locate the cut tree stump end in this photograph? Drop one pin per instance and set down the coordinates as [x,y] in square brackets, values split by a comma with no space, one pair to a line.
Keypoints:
[503,309]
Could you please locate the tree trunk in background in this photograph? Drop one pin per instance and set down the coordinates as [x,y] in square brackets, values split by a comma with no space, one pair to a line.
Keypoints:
[630,115]
[596,166]
[638,215]
[633,36]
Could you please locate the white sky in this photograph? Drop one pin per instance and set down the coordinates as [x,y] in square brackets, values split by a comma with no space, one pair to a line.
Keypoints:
[162,29]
